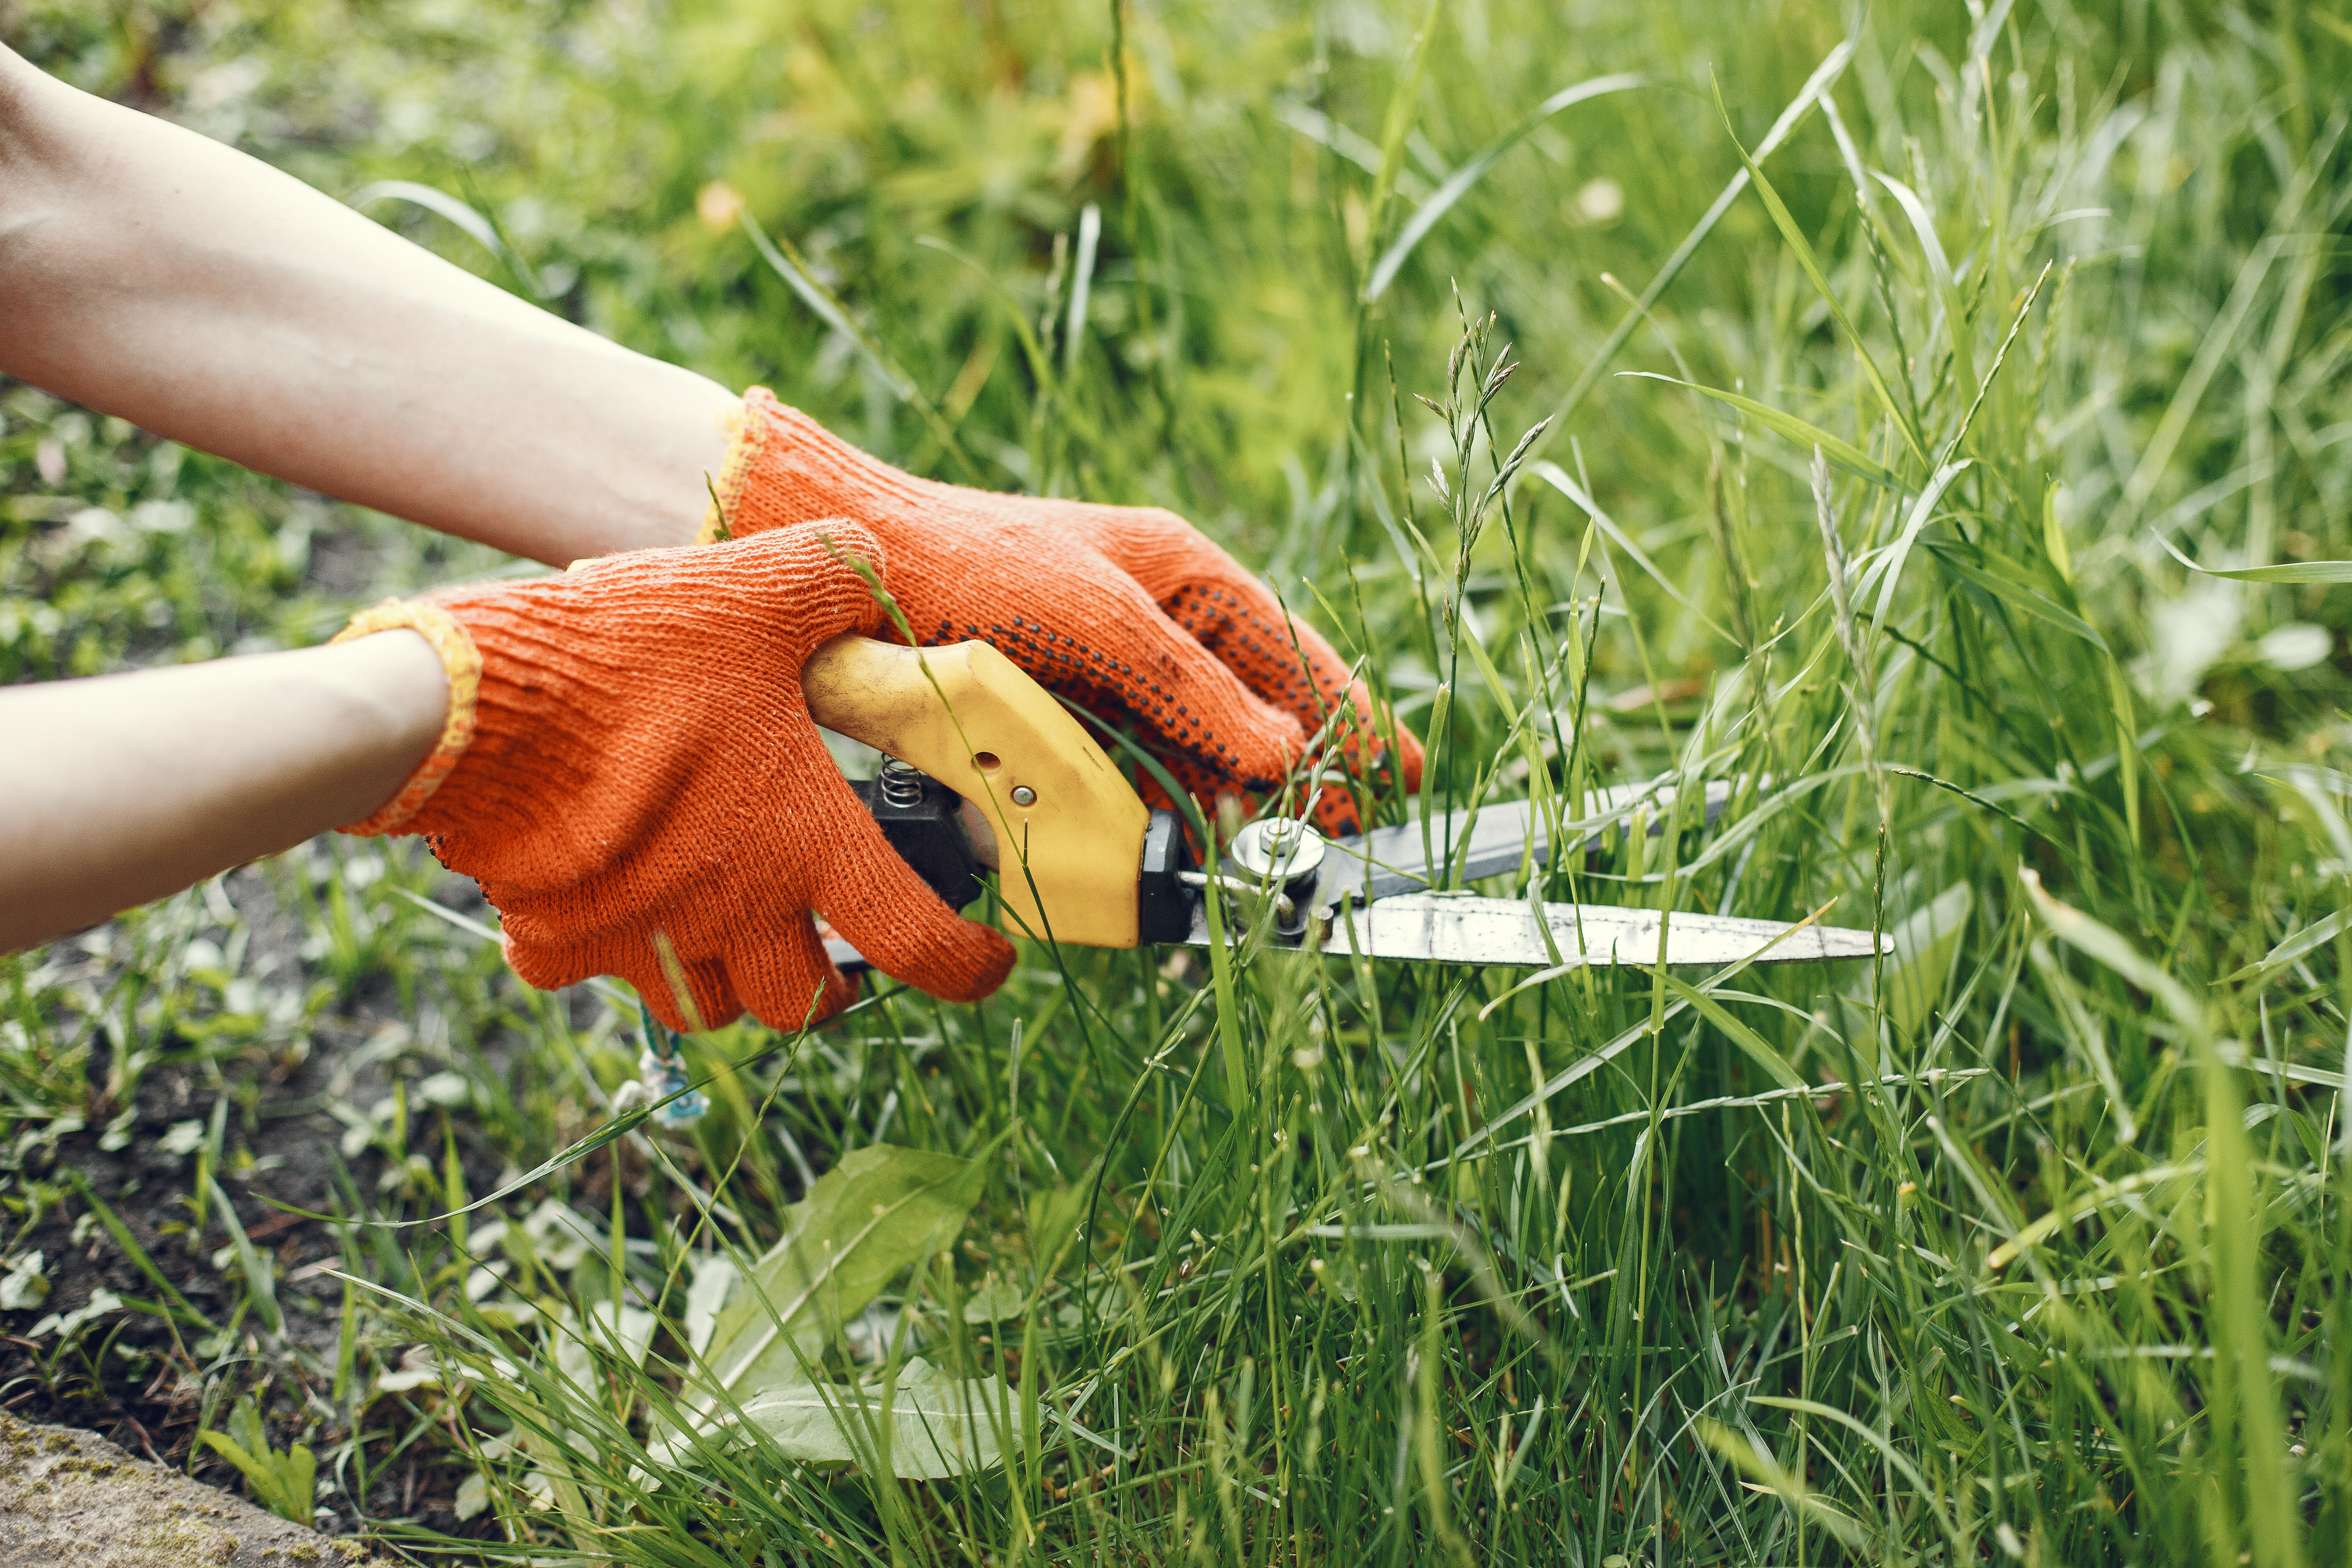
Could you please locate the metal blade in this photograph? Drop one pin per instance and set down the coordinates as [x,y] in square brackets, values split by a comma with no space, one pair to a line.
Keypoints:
[1439,928]
[1389,860]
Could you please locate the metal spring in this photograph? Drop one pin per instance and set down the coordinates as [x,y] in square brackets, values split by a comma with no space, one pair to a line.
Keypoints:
[902,784]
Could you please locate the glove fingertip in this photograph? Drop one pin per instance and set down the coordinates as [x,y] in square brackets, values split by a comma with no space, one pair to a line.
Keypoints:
[986,963]
[877,903]
[1266,744]
[707,1001]
[789,981]
[916,938]
[544,967]
[813,1004]
[949,957]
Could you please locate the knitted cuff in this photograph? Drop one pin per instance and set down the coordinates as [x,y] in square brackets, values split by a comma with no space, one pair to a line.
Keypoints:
[782,468]
[462,662]
[746,433]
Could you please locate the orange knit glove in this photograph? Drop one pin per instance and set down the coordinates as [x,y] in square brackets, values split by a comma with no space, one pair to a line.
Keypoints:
[642,768]
[1127,611]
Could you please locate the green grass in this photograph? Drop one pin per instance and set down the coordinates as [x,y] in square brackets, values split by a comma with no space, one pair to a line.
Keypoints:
[1310,1262]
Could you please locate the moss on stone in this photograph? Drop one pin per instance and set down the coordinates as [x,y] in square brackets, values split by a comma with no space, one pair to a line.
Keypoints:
[72,1497]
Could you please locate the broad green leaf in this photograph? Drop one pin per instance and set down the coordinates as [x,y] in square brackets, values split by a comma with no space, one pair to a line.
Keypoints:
[714,1281]
[995,1301]
[245,1425]
[1845,454]
[626,1339]
[298,1482]
[928,1426]
[879,1210]
[263,1482]
[1924,948]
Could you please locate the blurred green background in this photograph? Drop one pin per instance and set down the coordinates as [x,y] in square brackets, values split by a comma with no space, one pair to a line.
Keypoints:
[932,162]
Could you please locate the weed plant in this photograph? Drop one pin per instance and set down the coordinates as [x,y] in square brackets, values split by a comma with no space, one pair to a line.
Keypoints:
[1810,414]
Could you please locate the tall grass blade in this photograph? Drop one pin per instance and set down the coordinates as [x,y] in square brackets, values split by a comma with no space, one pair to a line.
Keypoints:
[1441,200]
[1817,86]
[1840,452]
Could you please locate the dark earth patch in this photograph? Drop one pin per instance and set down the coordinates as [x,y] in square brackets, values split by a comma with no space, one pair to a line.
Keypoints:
[143,1374]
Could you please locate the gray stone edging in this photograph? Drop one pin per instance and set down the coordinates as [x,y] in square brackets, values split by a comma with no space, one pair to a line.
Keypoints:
[71,1497]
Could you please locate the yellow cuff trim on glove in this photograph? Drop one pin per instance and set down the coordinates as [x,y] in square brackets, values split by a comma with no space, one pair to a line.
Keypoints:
[745,435]
[462,662]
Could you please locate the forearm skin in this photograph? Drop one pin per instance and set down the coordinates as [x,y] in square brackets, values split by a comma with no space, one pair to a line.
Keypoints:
[148,272]
[120,789]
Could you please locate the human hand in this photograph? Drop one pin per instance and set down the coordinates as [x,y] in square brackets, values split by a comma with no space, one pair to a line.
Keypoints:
[637,766]
[1130,612]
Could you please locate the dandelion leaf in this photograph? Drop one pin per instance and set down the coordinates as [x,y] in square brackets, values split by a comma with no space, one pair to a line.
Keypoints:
[995,1301]
[930,1426]
[623,1338]
[879,1210]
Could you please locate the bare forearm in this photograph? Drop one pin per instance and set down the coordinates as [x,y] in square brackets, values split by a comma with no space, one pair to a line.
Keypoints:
[151,273]
[125,788]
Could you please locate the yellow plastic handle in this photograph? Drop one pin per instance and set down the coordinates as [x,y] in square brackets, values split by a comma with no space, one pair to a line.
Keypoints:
[1066,823]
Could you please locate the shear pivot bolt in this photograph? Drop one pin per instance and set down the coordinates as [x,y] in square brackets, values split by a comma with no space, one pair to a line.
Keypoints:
[1024,796]
[1276,847]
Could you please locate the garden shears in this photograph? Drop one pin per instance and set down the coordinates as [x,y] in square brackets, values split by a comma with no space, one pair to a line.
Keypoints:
[983,770]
